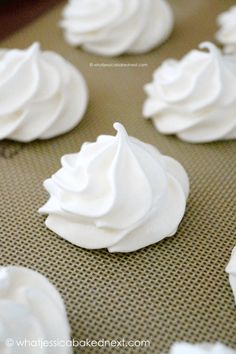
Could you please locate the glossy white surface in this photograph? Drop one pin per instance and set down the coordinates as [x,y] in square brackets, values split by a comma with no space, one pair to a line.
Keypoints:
[195,97]
[117,193]
[41,94]
[31,311]
[114,27]
[185,348]
[226,34]
[231,270]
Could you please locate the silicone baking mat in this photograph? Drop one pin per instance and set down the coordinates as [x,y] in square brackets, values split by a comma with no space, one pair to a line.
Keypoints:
[171,291]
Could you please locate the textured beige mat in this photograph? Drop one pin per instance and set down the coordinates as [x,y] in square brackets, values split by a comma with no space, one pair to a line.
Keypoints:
[174,290]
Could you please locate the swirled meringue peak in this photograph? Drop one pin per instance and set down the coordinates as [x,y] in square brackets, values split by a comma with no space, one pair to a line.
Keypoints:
[185,348]
[114,27]
[31,313]
[226,34]
[231,270]
[41,94]
[117,193]
[195,98]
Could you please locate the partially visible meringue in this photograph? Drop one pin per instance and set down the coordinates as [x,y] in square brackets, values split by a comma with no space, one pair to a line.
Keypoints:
[195,97]
[226,34]
[114,27]
[231,270]
[41,94]
[117,193]
[31,312]
[185,348]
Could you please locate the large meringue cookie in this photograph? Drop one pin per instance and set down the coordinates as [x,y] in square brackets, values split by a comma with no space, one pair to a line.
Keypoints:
[41,94]
[31,309]
[231,270]
[195,98]
[114,27]
[117,193]
[227,32]
[185,348]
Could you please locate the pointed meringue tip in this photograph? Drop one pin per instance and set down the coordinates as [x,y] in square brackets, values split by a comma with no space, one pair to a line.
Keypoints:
[34,48]
[210,46]
[39,210]
[121,131]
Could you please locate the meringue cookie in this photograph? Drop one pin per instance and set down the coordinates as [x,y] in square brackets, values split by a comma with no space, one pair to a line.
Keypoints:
[41,94]
[195,98]
[114,27]
[185,348]
[227,32]
[231,270]
[31,309]
[117,193]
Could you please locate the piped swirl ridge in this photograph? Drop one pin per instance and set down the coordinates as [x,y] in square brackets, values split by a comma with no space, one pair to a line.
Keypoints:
[226,34]
[31,310]
[41,94]
[114,27]
[117,193]
[195,97]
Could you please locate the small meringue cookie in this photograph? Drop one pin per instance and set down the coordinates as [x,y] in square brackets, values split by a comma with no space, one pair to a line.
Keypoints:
[31,309]
[226,35]
[114,27]
[185,348]
[41,94]
[195,98]
[231,270]
[117,193]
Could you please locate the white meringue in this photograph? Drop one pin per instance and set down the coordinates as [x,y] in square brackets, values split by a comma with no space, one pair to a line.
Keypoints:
[117,193]
[41,94]
[231,270]
[185,348]
[31,309]
[195,98]
[114,27]
[227,32]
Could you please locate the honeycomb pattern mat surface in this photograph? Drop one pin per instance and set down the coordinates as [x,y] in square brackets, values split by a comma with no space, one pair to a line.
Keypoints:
[171,291]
